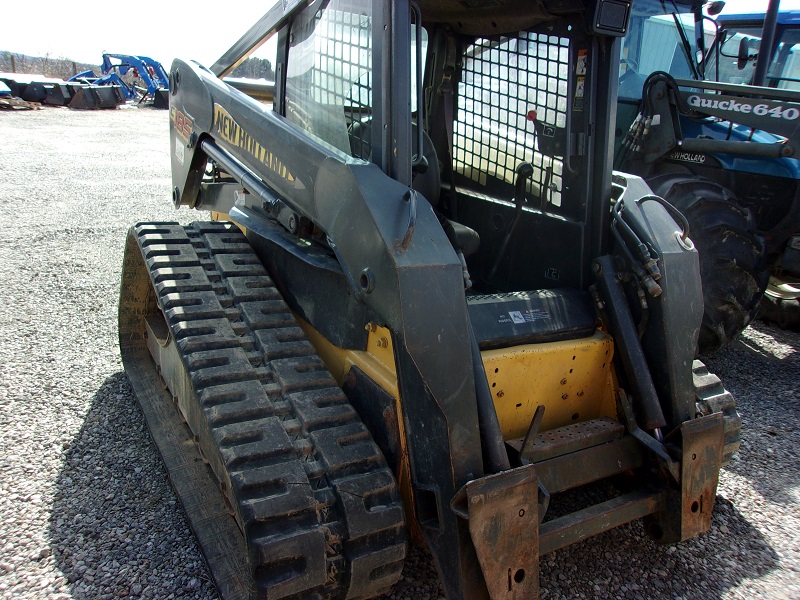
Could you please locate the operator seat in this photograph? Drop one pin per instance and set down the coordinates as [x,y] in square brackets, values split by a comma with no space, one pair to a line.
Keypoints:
[427,183]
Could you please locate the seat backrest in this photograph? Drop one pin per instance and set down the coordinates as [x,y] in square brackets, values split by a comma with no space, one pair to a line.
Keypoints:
[429,183]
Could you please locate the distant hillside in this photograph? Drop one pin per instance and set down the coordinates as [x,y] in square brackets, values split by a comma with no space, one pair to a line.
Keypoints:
[48,66]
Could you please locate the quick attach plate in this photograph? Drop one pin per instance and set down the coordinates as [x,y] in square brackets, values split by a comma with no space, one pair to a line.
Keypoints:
[688,510]
[504,526]
[703,441]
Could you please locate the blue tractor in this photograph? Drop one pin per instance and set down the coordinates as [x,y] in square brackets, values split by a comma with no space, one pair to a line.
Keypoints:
[153,79]
[695,120]
[138,77]
[89,78]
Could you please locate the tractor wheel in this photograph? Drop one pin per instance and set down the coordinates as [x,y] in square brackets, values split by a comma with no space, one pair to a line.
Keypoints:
[732,266]
[781,304]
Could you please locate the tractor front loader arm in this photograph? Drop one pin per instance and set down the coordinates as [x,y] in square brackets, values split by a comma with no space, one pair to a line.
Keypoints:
[657,131]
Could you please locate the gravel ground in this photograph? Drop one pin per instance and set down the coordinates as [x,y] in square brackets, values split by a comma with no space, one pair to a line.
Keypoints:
[87,511]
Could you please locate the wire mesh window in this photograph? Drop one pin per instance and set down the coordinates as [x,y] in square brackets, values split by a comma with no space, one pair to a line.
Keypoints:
[504,84]
[329,71]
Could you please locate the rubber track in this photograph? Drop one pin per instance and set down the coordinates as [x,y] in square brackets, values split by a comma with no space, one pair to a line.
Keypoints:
[711,396]
[310,490]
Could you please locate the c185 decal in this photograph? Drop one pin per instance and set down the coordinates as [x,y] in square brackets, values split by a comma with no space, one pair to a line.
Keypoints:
[183,124]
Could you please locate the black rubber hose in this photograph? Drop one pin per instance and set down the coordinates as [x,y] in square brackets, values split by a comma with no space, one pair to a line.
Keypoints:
[626,341]
[495,457]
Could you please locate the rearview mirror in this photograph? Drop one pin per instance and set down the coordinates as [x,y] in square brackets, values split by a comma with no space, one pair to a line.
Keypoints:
[744,53]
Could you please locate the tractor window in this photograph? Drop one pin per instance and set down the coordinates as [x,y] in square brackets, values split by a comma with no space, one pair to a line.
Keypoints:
[666,37]
[730,68]
[784,68]
[329,71]
[655,44]
[511,100]
[741,41]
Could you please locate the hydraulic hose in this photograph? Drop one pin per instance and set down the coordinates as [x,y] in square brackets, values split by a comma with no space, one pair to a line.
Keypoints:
[495,458]
[626,340]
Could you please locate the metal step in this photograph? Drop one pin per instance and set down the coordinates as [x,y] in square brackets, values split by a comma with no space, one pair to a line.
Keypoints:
[570,438]
[573,470]
[581,453]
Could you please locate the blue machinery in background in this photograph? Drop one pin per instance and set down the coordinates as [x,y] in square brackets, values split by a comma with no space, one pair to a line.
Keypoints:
[154,79]
[89,77]
[696,121]
[150,71]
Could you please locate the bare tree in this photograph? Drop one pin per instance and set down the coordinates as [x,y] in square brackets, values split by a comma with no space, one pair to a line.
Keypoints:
[255,68]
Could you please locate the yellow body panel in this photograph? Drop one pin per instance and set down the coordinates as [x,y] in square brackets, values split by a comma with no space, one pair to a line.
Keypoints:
[572,379]
[377,361]
[221,216]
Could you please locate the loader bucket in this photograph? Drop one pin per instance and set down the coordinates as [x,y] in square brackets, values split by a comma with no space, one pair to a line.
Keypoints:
[17,89]
[34,92]
[161,99]
[84,98]
[110,96]
[97,96]
[57,94]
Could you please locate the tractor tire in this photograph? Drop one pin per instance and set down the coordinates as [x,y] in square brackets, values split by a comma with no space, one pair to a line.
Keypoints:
[711,397]
[781,305]
[732,255]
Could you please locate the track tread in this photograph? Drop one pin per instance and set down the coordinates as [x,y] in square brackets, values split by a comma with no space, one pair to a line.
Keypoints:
[711,397]
[318,506]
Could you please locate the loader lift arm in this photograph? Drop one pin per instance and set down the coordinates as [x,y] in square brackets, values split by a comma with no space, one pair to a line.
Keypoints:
[357,207]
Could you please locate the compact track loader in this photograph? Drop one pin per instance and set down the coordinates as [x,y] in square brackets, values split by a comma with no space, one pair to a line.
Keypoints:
[425,309]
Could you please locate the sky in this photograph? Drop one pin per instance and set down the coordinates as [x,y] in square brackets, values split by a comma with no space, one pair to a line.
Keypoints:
[82,31]
[201,30]
[754,6]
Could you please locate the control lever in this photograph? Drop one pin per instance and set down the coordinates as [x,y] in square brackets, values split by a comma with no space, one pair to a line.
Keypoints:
[524,172]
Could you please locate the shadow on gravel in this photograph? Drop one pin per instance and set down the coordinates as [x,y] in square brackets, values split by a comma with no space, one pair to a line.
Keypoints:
[116,529]
[762,371]
[625,563]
